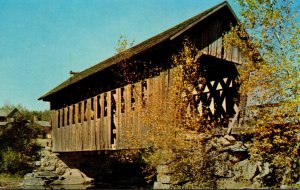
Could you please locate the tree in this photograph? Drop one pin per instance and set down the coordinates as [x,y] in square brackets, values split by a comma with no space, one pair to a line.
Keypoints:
[268,36]
[28,114]
[175,131]
[18,148]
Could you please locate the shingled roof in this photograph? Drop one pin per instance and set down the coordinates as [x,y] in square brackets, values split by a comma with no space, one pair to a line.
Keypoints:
[169,34]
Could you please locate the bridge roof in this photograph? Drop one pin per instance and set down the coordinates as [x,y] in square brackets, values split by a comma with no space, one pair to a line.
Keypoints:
[169,34]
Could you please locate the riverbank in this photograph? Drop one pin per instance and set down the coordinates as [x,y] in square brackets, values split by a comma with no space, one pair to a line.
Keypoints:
[10,181]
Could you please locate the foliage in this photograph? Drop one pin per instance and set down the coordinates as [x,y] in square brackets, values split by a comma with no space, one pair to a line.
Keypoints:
[269,39]
[28,114]
[171,124]
[123,44]
[18,148]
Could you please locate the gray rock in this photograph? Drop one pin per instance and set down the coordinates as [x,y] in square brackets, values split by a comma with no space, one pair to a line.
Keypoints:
[31,179]
[223,169]
[246,169]
[232,183]
[163,169]
[72,177]
[165,179]
[264,170]
[230,138]
[237,147]
[34,182]
[38,163]
[234,158]
[49,168]
[159,185]
[223,141]
[50,176]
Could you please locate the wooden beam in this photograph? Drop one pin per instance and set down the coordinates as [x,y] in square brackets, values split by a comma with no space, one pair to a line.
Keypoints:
[102,121]
[88,125]
[76,128]
[118,117]
[108,122]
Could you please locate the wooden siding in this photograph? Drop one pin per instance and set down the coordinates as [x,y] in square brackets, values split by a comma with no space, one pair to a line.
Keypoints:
[98,123]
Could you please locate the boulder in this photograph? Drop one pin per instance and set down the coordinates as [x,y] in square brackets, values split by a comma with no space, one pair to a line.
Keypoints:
[61,167]
[223,169]
[163,169]
[230,138]
[223,142]
[237,147]
[232,183]
[159,185]
[247,169]
[73,177]
[34,182]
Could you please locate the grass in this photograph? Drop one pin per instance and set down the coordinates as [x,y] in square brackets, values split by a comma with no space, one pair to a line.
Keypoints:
[10,181]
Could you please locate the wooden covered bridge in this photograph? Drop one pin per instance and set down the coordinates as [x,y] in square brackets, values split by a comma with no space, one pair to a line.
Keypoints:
[90,109]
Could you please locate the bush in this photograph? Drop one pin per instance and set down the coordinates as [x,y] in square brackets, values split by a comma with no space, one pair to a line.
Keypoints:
[18,149]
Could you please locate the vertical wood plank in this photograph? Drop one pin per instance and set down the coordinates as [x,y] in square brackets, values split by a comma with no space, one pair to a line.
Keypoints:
[219,47]
[118,117]
[88,125]
[60,129]
[235,55]
[101,130]
[76,127]
[137,97]
[108,121]
[54,129]
[127,113]
[93,122]
[63,134]
[98,124]
[81,130]
[71,128]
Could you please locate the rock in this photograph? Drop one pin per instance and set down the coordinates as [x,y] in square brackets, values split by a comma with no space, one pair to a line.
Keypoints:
[61,167]
[230,138]
[31,179]
[45,153]
[223,169]
[232,183]
[264,171]
[234,158]
[73,177]
[49,176]
[223,141]
[165,179]
[49,168]
[159,185]
[49,163]
[246,169]
[163,169]
[34,182]
[237,147]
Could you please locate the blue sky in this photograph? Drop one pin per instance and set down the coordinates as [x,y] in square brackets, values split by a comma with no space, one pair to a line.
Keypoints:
[42,40]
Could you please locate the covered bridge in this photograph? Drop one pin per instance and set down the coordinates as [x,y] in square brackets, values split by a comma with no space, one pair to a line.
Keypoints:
[90,109]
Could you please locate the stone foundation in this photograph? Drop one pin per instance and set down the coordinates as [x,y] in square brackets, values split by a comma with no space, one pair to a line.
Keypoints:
[232,167]
[51,170]
[102,169]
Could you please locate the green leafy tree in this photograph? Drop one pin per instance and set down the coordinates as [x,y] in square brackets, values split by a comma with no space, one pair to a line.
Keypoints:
[18,147]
